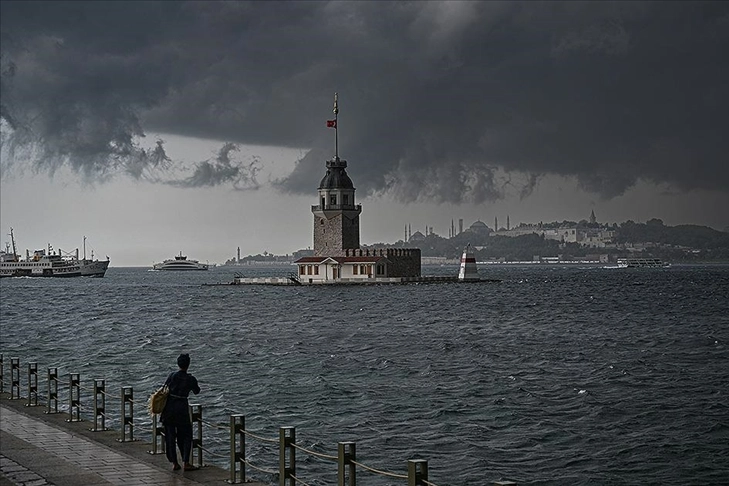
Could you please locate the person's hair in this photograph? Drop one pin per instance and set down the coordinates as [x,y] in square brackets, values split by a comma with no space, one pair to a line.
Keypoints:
[183,361]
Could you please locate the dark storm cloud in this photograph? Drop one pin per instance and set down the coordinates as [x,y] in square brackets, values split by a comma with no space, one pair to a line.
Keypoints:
[434,96]
[223,169]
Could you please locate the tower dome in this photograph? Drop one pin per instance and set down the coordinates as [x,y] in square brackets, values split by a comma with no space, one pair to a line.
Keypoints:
[336,177]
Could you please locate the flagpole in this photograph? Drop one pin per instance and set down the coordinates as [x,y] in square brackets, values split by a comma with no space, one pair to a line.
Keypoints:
[336,127]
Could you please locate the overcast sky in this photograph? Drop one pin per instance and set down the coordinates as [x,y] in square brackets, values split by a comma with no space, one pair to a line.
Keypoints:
[159,127]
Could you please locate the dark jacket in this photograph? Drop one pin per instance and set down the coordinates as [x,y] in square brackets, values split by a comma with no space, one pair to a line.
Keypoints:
[176,411]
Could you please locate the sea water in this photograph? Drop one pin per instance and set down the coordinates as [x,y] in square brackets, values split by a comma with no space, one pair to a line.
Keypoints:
[555,375]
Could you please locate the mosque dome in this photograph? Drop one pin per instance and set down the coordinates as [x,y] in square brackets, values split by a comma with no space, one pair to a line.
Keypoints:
[478,226]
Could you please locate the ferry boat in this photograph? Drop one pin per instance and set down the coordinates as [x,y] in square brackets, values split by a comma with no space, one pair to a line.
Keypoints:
[49,263]
[642,263]
[180,262]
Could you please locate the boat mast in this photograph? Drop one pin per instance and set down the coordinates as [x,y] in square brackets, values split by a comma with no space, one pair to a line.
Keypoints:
[84,248]
[12,239]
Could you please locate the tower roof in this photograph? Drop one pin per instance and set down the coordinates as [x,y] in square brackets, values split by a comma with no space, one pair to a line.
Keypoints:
[336,176]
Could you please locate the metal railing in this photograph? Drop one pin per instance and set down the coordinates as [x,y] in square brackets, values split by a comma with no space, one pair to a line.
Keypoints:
[74,398]
[32,385]
[197,439]
[52,390]
[15,378]
[158,431]
[288,449]
[127,414]
[99,405]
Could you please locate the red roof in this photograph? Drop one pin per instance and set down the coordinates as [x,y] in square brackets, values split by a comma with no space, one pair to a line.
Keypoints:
[310,259]
[360,259]
[341,259]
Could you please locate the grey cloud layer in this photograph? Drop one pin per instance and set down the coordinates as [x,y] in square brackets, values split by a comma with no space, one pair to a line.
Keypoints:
[434,96]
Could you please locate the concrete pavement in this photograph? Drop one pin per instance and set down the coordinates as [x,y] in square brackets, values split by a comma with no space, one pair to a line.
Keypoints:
[38,449]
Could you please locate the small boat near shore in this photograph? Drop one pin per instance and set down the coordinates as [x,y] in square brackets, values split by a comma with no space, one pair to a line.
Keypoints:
[180,262]
[49,263]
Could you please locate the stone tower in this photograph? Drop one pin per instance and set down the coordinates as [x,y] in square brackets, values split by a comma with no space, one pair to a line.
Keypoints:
[336,217]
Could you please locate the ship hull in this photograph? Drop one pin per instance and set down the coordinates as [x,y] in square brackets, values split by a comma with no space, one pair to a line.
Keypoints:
[82,268]
[49,263]
[95,268]
[180,263]
[172,268]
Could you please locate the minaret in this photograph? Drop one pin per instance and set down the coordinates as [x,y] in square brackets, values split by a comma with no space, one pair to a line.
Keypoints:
[593,219]
[336,217]
[496,223]
[508,225]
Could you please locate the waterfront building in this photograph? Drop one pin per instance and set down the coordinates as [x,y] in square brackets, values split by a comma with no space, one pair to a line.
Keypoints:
[589,237]
[337,253]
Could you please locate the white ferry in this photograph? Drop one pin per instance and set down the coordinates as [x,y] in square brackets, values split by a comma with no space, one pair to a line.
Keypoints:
[180,262]
[49,263]
[642,263]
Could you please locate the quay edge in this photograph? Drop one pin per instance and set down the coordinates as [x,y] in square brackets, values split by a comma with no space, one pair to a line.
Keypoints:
[289,281]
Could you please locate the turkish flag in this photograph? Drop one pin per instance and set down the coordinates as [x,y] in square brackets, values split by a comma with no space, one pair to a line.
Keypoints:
[331,123]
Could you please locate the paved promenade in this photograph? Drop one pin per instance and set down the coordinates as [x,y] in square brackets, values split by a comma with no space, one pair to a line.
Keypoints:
[37,449]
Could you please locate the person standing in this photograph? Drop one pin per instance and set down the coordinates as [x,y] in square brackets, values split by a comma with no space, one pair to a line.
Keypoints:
[176,414]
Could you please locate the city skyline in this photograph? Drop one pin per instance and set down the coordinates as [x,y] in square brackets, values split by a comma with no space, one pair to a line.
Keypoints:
[158,127]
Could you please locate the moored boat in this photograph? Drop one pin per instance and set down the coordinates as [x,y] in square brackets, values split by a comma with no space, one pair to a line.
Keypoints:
[49,263]
[180,262]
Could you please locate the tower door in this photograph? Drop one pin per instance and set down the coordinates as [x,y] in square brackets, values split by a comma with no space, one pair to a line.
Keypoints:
[335,273]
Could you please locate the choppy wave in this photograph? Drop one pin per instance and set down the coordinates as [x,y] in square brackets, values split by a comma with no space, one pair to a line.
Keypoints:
[553,376]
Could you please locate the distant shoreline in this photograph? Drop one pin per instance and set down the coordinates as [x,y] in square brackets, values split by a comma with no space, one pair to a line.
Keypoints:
[485,263]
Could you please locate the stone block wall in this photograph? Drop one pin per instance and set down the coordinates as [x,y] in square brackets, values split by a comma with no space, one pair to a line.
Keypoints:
[403,262]
[333,236]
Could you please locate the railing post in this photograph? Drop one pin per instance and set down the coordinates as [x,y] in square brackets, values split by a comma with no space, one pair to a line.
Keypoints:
[127,413]
[74,398]
[417,472]
[52,390]
[2,377]
[346,455]
[158,430]
[99,405]
[15,378]
[197,441]
[237,448]
[32,385]
[286,468]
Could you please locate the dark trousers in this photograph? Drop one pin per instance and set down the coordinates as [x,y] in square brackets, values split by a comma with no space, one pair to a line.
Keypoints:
[178,436]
